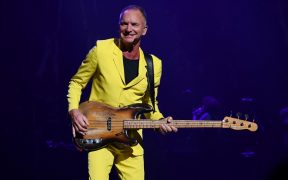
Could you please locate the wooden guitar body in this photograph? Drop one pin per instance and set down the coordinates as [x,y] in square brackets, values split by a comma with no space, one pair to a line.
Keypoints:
[106,124]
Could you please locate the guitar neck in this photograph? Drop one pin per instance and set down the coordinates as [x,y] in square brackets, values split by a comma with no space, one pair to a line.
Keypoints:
[147,123]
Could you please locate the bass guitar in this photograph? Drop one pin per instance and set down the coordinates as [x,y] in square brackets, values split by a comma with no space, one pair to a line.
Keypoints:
[108,124]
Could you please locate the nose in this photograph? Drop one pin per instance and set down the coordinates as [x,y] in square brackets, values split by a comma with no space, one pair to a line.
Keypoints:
[129,28]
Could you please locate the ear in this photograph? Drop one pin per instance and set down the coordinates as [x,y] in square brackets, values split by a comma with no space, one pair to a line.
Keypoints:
[145,30]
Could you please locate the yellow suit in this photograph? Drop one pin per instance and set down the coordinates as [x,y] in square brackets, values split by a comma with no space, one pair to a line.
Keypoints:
[104,64]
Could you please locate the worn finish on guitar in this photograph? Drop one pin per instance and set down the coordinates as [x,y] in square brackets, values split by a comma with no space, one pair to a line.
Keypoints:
[108,124]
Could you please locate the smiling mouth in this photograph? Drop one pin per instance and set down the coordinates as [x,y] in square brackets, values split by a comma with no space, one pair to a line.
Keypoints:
[130,35]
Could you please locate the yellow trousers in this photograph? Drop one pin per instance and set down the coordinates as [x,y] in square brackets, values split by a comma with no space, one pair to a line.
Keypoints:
[128,166]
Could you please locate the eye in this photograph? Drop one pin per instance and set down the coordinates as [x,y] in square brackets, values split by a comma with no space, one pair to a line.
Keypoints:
[135,24]
[123,24]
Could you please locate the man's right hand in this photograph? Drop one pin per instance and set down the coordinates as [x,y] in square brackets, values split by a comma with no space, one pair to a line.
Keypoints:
[79,122]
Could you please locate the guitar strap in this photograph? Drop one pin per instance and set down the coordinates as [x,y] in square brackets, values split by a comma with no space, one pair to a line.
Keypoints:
[150,78]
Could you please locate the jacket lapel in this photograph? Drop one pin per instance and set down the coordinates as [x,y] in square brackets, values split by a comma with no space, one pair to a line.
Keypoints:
[118,61]
[141,71]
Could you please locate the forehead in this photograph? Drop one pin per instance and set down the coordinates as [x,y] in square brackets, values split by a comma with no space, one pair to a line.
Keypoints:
[132,15]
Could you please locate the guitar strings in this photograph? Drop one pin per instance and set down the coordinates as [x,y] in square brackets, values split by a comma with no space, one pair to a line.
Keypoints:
[143,124]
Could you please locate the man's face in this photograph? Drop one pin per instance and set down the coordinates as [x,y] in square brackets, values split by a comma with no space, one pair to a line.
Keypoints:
[132,26]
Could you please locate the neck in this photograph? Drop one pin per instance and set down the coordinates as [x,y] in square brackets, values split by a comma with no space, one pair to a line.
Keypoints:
[130,51]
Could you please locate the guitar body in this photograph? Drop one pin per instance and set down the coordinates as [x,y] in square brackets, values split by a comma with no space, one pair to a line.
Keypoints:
[106,124]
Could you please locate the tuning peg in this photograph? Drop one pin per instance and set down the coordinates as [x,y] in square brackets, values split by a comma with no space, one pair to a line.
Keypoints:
[254,117]
[246,117]
[238,114]
[231,113]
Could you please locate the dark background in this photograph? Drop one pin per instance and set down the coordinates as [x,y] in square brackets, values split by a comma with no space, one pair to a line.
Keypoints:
[236,51]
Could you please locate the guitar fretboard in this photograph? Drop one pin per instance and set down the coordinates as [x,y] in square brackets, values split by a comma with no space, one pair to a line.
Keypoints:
[147,123]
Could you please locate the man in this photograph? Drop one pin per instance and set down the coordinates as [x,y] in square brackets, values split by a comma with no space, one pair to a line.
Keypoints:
[117,68]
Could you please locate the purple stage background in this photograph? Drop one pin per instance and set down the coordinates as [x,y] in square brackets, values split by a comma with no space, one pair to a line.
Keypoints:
[236,51]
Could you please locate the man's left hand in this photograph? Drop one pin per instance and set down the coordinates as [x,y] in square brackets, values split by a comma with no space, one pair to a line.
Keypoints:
[167,127]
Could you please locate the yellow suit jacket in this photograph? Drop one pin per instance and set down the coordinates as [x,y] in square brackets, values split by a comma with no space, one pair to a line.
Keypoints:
[104,65]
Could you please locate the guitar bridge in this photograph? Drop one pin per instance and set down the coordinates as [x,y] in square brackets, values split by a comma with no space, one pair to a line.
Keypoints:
[89,144]
[91,141]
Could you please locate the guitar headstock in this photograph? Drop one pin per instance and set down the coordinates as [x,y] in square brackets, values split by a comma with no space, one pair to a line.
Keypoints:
[238,124]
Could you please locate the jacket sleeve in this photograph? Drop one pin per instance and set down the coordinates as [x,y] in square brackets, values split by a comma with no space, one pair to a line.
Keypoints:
[156,115]
[79,81]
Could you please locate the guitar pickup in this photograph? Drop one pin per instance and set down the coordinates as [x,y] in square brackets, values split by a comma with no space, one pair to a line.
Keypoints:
[109,124]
